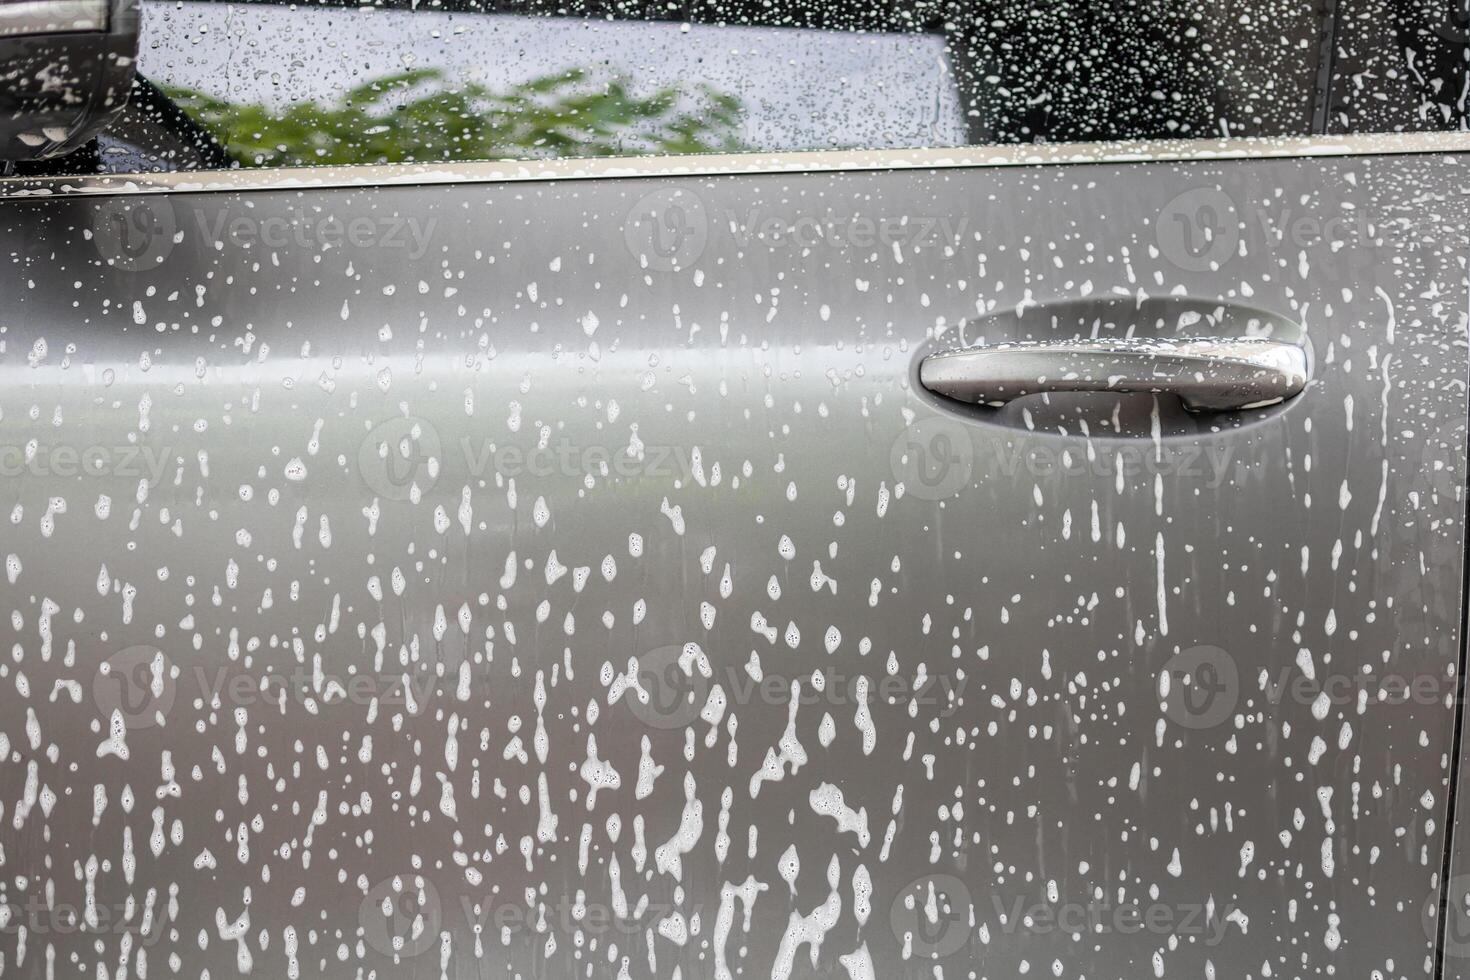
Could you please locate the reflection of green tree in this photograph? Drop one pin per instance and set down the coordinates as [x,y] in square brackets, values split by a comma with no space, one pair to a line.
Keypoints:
[384,121]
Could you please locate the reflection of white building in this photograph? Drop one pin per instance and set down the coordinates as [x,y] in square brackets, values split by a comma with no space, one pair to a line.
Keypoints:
[802,89]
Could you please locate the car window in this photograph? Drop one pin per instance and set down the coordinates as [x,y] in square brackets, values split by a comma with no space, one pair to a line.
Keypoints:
[1400,65]
[337,85]
[265,84]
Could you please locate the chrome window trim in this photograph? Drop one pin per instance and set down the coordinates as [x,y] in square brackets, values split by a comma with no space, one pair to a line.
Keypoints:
[741,164]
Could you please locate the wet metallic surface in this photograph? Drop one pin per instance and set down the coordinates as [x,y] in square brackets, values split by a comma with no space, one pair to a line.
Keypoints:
[366,556]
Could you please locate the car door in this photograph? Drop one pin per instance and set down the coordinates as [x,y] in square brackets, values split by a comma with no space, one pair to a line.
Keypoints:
[570,569]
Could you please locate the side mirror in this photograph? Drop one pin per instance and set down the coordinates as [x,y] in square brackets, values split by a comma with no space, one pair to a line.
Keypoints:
[66,69]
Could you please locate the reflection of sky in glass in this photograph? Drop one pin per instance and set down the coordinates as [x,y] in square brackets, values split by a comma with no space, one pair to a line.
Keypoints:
[802,89]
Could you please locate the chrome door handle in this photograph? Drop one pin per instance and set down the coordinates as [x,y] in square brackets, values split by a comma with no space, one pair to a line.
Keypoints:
[1209,374]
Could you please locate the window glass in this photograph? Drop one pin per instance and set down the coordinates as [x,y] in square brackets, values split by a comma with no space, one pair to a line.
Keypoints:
[264,84]
[1400,65]
[334,85]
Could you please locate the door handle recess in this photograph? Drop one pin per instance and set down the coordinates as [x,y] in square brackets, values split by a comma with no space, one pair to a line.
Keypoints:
[1209,374]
